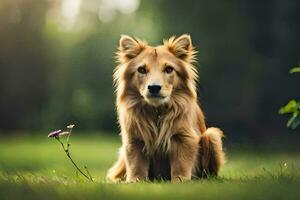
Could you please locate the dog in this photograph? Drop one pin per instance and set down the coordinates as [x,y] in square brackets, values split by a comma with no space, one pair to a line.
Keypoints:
[163,129]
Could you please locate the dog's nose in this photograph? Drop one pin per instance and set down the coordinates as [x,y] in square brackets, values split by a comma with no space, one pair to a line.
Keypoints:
[154,89]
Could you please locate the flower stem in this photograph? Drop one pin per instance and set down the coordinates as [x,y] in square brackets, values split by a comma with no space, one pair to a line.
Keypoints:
[70,132]
[88,172]
[75,165]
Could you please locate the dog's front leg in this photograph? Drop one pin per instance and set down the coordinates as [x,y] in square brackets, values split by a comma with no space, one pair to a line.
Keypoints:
[137,164]
[183,155]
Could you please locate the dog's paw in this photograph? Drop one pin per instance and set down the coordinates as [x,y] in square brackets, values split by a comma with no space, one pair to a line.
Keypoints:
[134,180]
[179,179]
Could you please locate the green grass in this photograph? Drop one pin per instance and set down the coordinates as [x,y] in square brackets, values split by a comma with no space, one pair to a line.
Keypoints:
[36,168]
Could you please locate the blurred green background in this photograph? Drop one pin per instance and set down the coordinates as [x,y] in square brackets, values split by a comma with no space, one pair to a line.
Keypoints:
[57,59]
[56,65]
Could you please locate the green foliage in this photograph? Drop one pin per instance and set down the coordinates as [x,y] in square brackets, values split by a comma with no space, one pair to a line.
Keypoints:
[295,70]
[292,107]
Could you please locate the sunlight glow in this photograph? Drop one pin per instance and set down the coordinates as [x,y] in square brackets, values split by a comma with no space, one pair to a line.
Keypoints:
[108,8]
[70,10]
[127,6]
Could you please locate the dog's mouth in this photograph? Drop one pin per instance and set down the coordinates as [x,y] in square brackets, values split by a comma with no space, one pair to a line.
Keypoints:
[156,96]
[156,100]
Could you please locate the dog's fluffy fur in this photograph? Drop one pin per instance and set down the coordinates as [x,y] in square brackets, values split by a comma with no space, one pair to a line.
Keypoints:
[163,136]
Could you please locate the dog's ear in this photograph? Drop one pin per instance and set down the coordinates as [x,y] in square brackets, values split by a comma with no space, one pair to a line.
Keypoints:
[129,48]
[181,47]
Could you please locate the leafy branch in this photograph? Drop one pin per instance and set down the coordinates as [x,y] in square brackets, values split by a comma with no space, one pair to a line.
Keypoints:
[292,107]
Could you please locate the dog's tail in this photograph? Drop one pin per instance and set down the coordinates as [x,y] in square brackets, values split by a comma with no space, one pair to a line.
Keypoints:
[118,171]
[211,155]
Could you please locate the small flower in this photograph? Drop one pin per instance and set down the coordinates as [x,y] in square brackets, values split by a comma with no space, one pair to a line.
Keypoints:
[66,147]
[54,133]
[71,126]
[285,165]
[64,133]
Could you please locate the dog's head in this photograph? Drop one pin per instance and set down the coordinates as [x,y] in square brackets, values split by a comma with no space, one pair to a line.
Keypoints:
[155,73]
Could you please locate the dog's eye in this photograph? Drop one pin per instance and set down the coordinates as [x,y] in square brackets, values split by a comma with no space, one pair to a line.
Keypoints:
[142,70]
[169,69]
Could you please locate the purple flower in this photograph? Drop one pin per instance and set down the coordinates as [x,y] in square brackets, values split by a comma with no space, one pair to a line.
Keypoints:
[54,133]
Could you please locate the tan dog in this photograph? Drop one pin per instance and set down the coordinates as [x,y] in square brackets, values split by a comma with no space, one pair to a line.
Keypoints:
[162,125]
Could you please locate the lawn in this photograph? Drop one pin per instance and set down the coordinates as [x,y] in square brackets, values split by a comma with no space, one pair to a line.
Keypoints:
[35,167]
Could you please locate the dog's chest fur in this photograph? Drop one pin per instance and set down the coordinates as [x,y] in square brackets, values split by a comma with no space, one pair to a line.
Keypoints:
[159,168]
[154,126]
